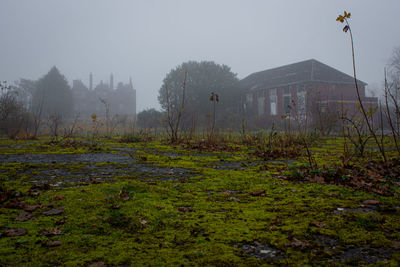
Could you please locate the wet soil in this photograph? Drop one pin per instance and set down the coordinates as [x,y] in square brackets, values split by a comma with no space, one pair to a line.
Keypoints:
[77,169]
[65,158]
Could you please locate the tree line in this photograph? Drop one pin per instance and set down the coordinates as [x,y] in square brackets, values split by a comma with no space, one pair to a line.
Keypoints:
[24,106]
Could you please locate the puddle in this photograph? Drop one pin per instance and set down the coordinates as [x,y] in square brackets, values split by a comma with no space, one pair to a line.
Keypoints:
[64,177]
[86,168]
[366,254]
[65,158]
[163,153]
[261,251]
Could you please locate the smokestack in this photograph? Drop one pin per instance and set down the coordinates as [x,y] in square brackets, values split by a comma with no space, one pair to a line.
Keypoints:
[111,82]
[91,81]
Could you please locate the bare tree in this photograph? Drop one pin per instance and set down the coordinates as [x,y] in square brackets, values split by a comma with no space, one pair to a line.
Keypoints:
[175,111]
[37,111]
[394,129]
[34,101]
[392,89]
[12,113]
[54,122]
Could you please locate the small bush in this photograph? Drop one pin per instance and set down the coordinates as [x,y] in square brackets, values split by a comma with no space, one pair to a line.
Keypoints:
[136,137]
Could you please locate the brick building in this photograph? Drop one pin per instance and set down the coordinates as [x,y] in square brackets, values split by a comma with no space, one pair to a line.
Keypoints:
[308,89]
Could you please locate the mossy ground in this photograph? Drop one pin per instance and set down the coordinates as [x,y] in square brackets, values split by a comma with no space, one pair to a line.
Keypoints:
[166,205]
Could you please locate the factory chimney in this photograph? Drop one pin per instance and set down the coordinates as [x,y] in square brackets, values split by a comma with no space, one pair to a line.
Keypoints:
[111,82]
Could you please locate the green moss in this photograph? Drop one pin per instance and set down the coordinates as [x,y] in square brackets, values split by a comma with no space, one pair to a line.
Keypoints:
[220,214]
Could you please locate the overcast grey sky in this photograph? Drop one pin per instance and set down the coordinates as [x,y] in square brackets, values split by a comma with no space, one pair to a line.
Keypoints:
[146,39]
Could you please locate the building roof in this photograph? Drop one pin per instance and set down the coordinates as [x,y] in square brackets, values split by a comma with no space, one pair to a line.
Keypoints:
[304,71]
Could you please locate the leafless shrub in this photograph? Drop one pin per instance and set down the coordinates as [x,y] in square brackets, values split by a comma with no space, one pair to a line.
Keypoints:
[355,132]
[301,122]
[12,113]
[54,123]
[69,130]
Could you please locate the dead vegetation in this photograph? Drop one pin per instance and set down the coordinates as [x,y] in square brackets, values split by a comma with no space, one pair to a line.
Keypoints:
[379,177]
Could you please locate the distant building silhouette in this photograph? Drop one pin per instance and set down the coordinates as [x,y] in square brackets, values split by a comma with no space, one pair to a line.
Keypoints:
[122,100]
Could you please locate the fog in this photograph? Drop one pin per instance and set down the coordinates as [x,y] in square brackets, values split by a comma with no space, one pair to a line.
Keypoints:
[144,40]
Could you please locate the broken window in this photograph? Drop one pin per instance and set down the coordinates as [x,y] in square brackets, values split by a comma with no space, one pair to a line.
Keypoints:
[301,101]
[272,101]
[287,99]
[249,102]
[249,98]
[260,104]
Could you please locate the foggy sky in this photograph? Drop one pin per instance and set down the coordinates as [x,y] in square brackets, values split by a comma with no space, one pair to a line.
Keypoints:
[146,39]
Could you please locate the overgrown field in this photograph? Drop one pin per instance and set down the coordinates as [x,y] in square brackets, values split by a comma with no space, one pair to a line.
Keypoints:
[113,203]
